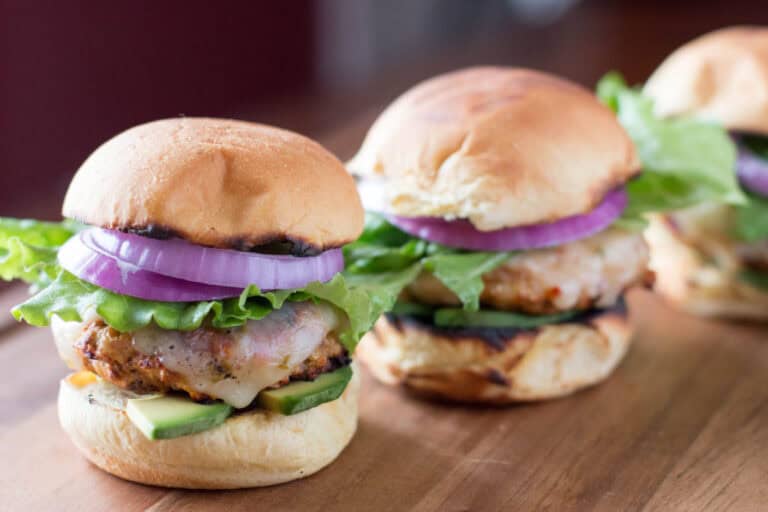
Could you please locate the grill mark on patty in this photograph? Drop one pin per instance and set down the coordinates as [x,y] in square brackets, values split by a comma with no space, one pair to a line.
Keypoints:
[112,356]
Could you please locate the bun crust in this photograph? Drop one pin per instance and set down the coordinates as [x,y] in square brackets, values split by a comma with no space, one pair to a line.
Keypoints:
[219,183]
[686,279]
[535,365]
[499,146]
[721,76]
[252,449]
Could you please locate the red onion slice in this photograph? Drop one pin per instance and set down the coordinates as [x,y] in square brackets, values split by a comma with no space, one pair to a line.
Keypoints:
[463,235]
[752,171]
[221,267]
[105,272]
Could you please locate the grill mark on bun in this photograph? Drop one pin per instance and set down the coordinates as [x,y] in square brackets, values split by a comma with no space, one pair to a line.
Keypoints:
[268,244]
[495,337]
[151,231]
[494,376]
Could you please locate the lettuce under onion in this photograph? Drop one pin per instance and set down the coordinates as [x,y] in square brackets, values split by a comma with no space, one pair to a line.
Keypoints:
[383,250]
[28,252]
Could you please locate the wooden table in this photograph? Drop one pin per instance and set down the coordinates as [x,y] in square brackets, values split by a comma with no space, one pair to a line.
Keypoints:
[682,425]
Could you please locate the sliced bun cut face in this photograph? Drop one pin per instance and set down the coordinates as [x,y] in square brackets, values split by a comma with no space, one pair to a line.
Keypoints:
[251,449]
[219,183]
[502,147]
[721,76]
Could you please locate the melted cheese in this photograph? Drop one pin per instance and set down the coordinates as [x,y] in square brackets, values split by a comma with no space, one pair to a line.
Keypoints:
[256,355]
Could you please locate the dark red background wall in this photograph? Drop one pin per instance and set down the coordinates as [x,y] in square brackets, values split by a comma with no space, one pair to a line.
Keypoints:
[74,73]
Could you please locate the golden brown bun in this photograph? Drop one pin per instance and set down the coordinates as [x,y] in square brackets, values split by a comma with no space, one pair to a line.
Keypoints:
[721,76]
[499,146]
[471,367]
[219,183]
[693,283]
[252,449]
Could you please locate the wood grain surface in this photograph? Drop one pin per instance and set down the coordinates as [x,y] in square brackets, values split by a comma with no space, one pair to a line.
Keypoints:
[679,426]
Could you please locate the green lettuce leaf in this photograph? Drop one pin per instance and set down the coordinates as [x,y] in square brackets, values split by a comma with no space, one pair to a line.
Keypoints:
[384,248]
[28,251]
[462,273]
[33,265]
[685,161]
[757,279]
[71,299]
[35,232]
[384,251]
[751,220]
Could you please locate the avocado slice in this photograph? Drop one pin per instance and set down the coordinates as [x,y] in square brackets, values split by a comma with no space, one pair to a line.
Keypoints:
[754,278]
[296,397]
[412,309]
[166,417]
[454,317]
[459,317]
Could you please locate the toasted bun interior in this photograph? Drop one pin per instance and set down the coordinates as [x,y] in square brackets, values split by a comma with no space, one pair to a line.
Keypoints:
[499,146]
[219,183]
[251,449]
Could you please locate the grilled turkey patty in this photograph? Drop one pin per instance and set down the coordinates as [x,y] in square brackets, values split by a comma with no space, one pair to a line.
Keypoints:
[588,273]
[114,357]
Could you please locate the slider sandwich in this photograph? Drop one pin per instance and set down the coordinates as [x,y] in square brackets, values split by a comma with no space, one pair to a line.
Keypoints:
[507,206]
[195,290]
[712,258]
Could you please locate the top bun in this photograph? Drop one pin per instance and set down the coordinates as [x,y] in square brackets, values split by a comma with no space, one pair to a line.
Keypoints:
[721,76]
[219,183]
[501,147]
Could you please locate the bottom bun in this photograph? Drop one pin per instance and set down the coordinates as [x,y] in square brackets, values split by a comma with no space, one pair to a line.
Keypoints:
[695,283]
[253,449]
[496,365]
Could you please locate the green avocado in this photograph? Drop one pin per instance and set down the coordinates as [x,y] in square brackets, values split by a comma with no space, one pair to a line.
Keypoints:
[296,397]
[459,317]
[454,317]
[754,278]
[166,417]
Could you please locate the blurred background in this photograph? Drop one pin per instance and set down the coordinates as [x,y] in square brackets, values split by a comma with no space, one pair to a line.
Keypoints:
[74,73]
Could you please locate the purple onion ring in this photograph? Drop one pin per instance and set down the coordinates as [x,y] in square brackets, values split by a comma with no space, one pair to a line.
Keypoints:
[462,234]
[752,171]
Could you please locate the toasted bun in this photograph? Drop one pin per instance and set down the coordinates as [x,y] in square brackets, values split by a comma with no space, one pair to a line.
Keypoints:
[721,76]
[252,449]
[219,183]
[493,367]
[499,146]
[693,283]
